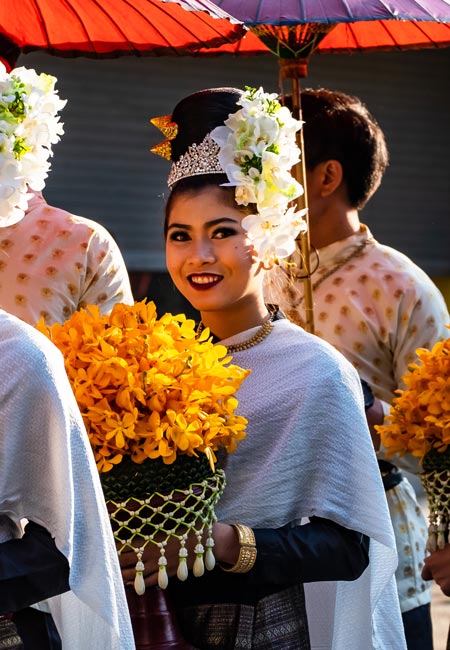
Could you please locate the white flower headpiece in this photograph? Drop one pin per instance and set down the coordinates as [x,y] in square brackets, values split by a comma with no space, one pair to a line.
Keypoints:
[29,125]
[258,148]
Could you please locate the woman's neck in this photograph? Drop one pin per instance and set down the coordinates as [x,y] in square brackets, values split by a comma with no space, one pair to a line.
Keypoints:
[226,324]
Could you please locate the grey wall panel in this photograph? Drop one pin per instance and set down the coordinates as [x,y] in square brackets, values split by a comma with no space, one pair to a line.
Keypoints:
[102,168]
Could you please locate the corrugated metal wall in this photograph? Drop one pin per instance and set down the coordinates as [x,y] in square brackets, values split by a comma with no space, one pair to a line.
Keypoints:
[102,167]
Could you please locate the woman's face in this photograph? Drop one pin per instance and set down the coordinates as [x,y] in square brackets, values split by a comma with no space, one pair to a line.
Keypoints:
[208,254]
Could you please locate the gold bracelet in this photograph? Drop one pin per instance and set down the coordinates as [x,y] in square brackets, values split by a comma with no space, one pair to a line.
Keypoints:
[247,550]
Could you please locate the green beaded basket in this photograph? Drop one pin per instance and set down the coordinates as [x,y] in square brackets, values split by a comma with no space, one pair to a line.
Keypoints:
[153,502]
[130,479]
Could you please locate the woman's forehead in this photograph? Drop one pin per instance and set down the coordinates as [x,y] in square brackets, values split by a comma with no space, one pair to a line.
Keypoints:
[208,203]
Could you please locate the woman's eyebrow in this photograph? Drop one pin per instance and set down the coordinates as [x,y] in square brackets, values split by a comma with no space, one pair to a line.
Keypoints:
[208,224]
[185,226]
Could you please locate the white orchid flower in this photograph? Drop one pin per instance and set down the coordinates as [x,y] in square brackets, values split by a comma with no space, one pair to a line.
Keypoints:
[273,232]
[258,149]
[29,126]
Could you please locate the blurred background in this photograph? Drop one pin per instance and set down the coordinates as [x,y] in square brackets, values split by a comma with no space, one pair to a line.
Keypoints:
[102,168]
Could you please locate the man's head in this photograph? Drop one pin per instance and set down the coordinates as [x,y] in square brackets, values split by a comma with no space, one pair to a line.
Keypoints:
[339,127]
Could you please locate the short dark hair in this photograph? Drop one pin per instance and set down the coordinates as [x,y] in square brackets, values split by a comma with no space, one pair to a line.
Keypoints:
[340,127]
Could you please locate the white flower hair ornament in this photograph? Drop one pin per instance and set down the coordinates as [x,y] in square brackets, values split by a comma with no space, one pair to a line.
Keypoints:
[29,125]
[258,149]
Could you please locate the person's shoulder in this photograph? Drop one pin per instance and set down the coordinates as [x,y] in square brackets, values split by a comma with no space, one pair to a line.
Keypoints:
[294,341]
[388,259]
[86,223]
[390,267]
[308,359]
[40,211]
[23,344]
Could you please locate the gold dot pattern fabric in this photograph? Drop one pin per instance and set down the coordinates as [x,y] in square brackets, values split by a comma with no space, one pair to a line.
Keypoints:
[410,528]
[53,263]
[377,307]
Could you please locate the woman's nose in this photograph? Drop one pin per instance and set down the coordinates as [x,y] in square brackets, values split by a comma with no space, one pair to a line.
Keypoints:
[202,251]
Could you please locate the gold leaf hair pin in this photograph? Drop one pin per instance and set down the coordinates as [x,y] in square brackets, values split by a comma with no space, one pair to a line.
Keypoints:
[168,128]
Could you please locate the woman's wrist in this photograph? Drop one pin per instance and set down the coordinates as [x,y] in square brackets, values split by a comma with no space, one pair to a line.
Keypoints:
[226,543]
[241,556]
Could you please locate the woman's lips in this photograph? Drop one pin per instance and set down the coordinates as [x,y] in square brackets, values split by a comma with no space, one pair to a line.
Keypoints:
[204,281]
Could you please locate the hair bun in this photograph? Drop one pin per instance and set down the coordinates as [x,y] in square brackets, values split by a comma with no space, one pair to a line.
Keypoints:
[199,113]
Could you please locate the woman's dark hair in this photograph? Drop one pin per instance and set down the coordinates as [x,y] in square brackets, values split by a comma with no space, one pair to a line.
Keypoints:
[197,115]
[200,113]
[339,127]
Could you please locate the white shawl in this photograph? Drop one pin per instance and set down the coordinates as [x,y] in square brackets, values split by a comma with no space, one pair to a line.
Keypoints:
[308,452]
[48,475]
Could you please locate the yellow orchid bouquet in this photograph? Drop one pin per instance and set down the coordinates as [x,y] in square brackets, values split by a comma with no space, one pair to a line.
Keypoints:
[419,423]
[159,407]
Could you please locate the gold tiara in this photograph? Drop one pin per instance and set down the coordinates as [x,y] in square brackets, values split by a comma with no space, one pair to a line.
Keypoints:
[202,158]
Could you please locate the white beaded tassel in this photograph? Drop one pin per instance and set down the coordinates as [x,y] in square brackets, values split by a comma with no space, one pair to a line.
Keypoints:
[441,535]
[210,560]
[199,566]
[163,579]
[182,571]
[432,538]
[139,583]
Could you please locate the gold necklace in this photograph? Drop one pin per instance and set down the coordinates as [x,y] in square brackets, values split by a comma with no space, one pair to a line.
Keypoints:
[260,335]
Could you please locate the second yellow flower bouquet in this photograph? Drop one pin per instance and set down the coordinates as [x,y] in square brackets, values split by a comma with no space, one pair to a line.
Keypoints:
[419,423]
[159,406]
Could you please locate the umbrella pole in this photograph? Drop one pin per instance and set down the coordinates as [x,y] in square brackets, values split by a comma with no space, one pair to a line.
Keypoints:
[294,69]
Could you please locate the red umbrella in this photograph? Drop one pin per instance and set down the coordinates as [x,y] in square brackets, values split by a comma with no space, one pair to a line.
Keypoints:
[294,29]
[110,28]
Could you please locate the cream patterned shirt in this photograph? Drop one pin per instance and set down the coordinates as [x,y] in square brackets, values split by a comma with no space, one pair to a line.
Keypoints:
[376,307]
[52,263]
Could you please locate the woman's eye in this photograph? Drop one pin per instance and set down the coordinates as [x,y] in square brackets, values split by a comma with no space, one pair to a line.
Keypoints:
[178,235]
[221,233]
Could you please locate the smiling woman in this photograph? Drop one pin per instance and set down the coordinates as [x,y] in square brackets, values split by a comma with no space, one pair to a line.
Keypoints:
[227,223]
[212,262]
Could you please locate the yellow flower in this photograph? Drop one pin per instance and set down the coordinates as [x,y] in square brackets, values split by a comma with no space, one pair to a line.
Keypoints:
[148,387]
[419,418]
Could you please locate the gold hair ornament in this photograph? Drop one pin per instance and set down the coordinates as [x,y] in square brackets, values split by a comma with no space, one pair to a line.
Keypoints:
[168,128]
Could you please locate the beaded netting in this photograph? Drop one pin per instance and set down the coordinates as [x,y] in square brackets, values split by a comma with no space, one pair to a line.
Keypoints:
[144,510]
[436,482]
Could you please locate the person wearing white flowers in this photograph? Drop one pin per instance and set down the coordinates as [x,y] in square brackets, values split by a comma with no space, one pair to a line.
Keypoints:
[51,262]
[298,507]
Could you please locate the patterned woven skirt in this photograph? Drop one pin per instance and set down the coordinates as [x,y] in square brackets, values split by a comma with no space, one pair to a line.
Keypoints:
[275,622]
[8,635]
